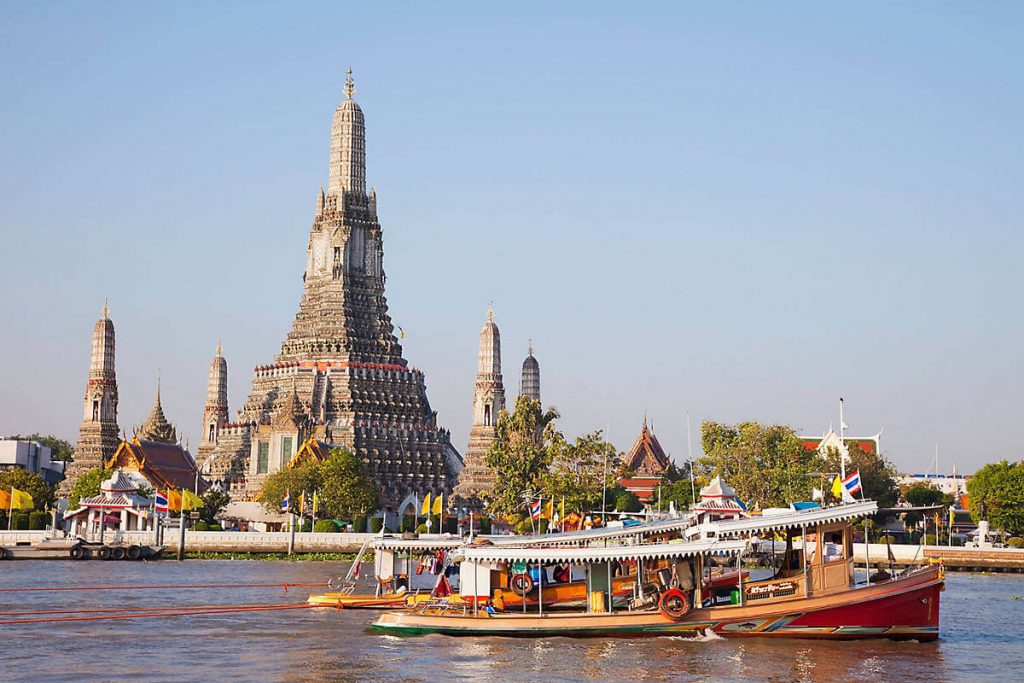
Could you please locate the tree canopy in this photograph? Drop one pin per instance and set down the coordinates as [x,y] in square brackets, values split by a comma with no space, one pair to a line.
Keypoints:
[996,492]
[766,464]
[87,485]
[577,471]
[520,455]
[214,502]
[343,485]
[29,482]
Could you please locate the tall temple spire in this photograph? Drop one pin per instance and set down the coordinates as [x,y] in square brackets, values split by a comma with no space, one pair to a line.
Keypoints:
[215,413]
[348,146]
[529,380]
[98,435]
[488,402]
[156,427]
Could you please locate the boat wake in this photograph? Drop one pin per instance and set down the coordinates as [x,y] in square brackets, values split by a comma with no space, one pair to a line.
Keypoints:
[706,637]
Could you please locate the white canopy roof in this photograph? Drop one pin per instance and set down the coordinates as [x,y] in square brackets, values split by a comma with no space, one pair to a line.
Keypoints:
[485,554]
[809,517]
[422,544]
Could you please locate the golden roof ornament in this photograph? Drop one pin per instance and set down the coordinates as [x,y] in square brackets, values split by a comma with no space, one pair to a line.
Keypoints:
[350,85]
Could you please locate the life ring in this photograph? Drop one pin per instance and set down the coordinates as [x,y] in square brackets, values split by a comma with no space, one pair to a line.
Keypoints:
[134,552]
[103,553]
[77,552]
[118,552]
[674,604]
[521,584]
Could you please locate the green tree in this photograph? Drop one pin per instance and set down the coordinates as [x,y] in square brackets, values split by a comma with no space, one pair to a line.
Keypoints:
[996,493]
[577,471]
[214,502]
[622,500]
[877,474]
[767,465]
[923,495]
[341,481]
[346,487]
[679,492]
[29,482]
[520,455]
[59,448]
[87,485]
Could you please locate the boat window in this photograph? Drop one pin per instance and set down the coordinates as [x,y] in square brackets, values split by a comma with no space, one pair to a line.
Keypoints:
[833,546]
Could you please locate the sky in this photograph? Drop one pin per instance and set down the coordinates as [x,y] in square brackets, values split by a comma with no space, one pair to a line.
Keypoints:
[732,211]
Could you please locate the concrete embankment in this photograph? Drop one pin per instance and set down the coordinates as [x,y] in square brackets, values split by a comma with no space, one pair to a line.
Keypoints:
[222,541]
[954,558]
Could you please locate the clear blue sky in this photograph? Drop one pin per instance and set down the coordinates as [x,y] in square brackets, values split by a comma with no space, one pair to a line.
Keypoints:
[736,210]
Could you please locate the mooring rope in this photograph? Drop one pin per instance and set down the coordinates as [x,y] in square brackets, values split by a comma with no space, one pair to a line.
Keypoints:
[286,586]
[180,612]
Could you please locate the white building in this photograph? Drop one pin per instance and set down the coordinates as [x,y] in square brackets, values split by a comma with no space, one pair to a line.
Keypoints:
[952,484]
[31,456]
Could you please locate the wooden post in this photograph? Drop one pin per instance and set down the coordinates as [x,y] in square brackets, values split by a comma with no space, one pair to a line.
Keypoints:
[291,533]
[803,553]
[181,536]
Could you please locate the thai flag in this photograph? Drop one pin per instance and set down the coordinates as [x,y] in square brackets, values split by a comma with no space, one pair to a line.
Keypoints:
[535,509]
[286,503]
[161,502]
[852,482]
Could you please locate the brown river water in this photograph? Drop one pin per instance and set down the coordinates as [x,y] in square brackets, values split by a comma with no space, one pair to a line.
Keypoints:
[982,637]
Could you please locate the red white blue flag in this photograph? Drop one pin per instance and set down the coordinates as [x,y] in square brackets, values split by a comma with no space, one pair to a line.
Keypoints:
[852,482]
[535,509]
[286,503]
[161,502]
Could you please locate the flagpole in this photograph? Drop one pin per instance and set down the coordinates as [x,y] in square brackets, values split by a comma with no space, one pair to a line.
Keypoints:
[181,529]
[689,446]
[312,517]
[842,442]
[10,509]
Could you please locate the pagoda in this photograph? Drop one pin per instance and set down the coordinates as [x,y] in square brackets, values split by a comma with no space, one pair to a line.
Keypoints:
[340,376]
[646,464]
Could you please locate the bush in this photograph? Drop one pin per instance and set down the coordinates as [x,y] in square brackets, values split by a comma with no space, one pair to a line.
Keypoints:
[451,525]
[422,528]
[37,520]
[1015,542]
[376,524]
[887,539]
[359,524]
[408,523]
[929,539]
[325,526]
[19,521]
[201,526]
[485,526]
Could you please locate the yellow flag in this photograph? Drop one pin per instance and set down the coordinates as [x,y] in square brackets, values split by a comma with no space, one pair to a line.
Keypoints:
[549,509]
[5,501]
[316,503]
[837,487]
[21,500]
[173,500]
[438,502]
[302,502]
[425,510]
[190,501]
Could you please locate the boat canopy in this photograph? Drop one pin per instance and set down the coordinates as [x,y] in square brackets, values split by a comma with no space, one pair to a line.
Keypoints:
[638,530]
[417,545]
[483,554]
[788,520]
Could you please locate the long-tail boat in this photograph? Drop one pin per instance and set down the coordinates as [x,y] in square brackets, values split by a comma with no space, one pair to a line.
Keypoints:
[811,592]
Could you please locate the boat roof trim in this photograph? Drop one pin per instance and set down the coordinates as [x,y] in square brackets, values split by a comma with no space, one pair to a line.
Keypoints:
[484,554]
[812,516]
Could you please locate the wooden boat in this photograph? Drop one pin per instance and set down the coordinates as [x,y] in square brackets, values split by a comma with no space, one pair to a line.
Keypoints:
[77,549]
[811,594]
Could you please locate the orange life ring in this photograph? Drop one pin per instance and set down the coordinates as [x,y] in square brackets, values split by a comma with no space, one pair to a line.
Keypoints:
[674,604]
[521,584]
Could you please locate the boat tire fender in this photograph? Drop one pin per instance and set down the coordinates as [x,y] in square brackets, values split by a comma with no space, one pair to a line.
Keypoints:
[103,553]
[521,584]
[3,553]
[118,552]
[77,552]
[674,604]
[134,552]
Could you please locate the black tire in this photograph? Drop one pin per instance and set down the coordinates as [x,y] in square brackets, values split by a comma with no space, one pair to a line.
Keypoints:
[3,554]
[521,584]
[103,553]
[77,552]
[118,552]
[134,552]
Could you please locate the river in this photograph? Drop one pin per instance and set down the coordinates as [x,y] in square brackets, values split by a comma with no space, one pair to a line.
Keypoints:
[981,637]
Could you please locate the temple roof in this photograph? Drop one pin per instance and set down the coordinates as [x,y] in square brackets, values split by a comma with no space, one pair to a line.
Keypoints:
[119,482]
[292,413]
[162,464]
[717,489]
[156,427]
[647,457]
[311,449]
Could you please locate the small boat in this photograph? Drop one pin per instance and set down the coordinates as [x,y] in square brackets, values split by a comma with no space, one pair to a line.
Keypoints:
[811,592]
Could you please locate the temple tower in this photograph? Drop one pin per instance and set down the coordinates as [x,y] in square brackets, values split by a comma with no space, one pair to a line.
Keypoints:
[488,402]
[342,355]
[98,435]
[157,427]
[529,380]
[215,414]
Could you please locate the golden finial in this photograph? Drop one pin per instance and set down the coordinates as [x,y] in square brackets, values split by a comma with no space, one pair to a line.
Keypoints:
[106,309]
[220,348]
[350,85]
[490,313]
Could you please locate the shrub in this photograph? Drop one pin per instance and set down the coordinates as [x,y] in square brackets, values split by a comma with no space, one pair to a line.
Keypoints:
[304,526]
[325,526]
[408,523]
[376,524]
[451,525]
[887,539]
[1015,542]
[485,526]
[19,521]
[359,524]
[929,539]
[422,528]
[201,526]
[37,520]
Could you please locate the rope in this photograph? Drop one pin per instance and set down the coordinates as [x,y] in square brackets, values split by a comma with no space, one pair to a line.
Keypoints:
[23,589]
[236,609]
[107,610]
